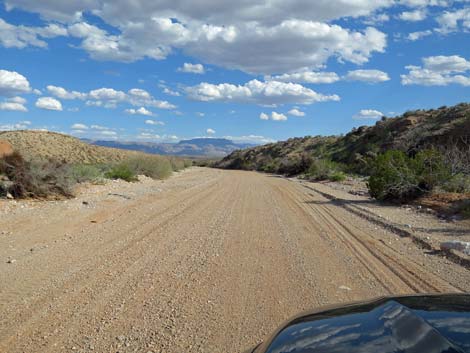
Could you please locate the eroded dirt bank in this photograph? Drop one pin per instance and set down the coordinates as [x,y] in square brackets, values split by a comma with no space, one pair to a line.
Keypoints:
[208,261]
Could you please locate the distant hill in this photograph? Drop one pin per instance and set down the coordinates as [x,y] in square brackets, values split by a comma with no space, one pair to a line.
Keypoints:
[203,147]
[409,132]
[44,144]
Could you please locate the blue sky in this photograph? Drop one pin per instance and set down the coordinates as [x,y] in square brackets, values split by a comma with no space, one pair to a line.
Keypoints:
[254,71]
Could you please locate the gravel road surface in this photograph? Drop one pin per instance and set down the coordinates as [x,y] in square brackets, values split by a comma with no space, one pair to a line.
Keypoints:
[207,261]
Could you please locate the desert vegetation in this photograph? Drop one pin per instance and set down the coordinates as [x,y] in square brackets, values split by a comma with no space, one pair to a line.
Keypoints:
[404,158]
[48,178]
[49,165]
[34,178]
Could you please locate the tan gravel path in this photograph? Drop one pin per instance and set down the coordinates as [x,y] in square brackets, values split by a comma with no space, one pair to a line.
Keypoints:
[207,261]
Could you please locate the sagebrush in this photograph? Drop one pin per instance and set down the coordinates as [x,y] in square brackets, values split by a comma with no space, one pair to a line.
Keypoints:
[155,167]
[36,178]
[397,177]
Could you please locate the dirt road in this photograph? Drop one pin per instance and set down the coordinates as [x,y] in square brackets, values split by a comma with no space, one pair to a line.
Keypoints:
[208,261]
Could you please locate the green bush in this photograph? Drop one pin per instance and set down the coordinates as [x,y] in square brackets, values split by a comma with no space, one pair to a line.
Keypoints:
[81,173]
[121,171]
[238,163]
[155,167]
[295,164]
[431,169]
[465,210]
[269,168]
[397,177]
[393,178]
[458,183]
[36,178]
[325,169]
[337,176]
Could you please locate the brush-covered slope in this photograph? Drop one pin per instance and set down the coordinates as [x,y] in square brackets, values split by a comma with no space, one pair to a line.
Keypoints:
[43,144]
[412,131]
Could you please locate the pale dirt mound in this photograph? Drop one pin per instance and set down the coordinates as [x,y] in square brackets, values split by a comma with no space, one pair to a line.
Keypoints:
[44,144]
[6,148]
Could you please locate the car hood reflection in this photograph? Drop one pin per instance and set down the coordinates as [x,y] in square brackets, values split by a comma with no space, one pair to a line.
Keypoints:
[408,324]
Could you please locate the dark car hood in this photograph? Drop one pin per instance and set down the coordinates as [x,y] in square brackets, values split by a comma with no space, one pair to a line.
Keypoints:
[399,324]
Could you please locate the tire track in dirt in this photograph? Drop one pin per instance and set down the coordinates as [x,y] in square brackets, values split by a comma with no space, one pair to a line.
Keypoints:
[360,242]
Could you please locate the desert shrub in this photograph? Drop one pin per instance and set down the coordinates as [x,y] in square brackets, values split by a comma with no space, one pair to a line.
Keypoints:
[325,169]
[320,169]
[464,209]
[188,163]
[456,154]
[431,169]
[295,164]
[121,171]
[337,176]
[155,167]
[393,178]
[458,183]
[177,164]
[397,177]
[271,167]
[81,173]
[238,163]
[36,178]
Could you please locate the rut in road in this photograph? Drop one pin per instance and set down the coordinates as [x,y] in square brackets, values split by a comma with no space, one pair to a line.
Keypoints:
[212,262]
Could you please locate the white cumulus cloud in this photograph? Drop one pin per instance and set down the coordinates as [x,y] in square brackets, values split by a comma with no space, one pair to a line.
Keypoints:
[274,116]
[260,36]
[170,92]
[49,103]
[110,98]
[192,68]
[140,111]
[413,16]
[368,114]
[154,122]
[413,36]
[258,92]
[218,12]
[22,125]
[287,46]
[12,36]
[148,136]
[370,76]
[296,112]
[306,77]
[439,71]
[13,83]
[210,131]
[452,21]
[62,93]
[12,106]
[79,126]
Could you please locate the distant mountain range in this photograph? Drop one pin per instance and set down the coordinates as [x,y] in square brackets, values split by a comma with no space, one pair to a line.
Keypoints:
[197,147]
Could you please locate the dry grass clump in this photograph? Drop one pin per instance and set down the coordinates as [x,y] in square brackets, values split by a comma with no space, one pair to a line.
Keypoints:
[152,166]
[36,178]
[121,171]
